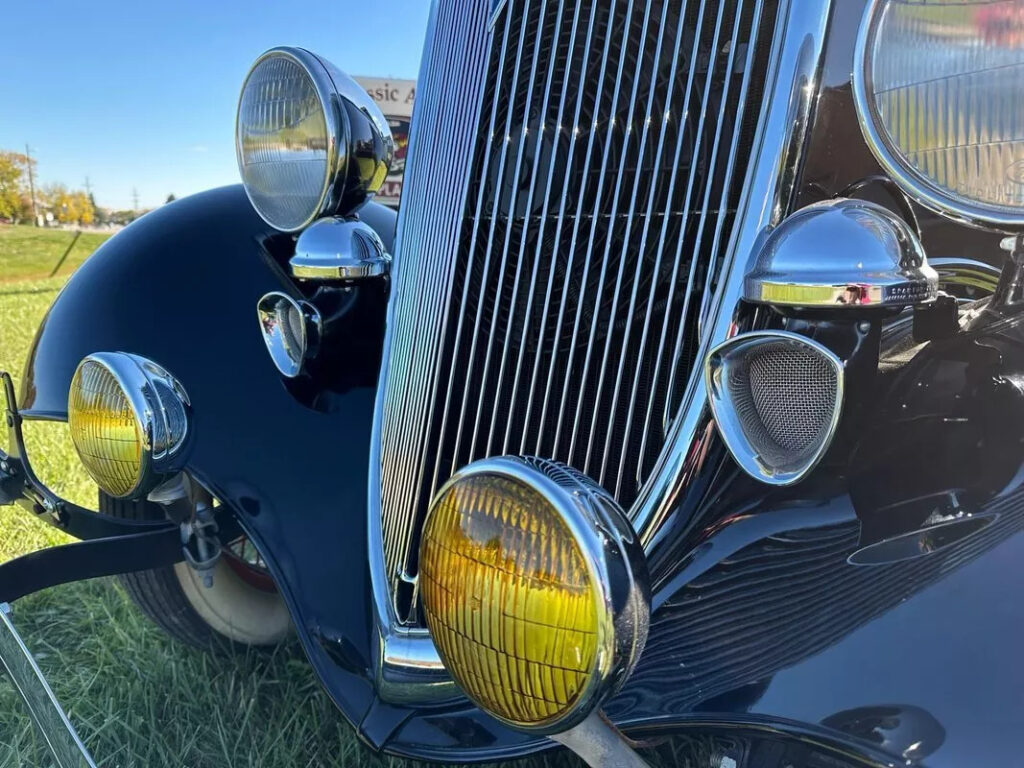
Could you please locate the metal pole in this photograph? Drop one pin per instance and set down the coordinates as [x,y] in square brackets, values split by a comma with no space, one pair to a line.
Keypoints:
[599,743]
[31,185]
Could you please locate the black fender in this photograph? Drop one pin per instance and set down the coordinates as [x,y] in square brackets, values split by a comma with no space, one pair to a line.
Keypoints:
[180,286]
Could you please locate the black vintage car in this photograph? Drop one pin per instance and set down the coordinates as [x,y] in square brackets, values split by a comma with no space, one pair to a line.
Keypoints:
[684,396]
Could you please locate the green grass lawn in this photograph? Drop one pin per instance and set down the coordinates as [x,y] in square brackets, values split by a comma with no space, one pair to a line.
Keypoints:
[28,252]
[139,698]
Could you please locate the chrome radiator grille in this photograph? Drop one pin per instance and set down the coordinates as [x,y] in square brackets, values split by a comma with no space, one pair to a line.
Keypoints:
[570,191]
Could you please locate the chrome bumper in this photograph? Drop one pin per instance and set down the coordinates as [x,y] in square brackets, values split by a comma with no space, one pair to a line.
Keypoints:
[45,710]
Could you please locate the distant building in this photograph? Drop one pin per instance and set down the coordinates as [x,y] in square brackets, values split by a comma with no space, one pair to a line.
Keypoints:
[395,98]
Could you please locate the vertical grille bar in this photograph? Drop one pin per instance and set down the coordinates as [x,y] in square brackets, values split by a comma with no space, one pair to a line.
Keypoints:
[452,81]
[573,172]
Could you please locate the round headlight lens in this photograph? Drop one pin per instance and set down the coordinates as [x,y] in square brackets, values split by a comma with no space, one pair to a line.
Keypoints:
[940,94]
[286,140]
[533,604]
[106,430]
[128,420]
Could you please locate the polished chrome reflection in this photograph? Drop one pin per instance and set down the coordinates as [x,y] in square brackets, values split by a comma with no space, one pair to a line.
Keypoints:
[841,254]
[309,140]
[339,249]
[129,421]
[456,66]
[289,329]
[939,89]
[549,303]
[776,398]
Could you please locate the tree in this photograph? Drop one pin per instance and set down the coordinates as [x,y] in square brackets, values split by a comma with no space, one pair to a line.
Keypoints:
[83,208]
[58,199]
[171,198]
[14,169]
[67,206]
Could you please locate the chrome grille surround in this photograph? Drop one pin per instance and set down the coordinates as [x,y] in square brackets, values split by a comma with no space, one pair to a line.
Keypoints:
[430,237]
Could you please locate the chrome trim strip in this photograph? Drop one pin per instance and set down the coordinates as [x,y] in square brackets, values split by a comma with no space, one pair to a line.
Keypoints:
[658,154]
[502,165]
[595,218]
[410,669]
[46,712]
[768,194]
[576,223]
[731,164]
[544,220]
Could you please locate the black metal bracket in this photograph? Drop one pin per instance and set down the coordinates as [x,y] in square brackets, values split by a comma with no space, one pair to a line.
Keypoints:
[137,551]
[110,546]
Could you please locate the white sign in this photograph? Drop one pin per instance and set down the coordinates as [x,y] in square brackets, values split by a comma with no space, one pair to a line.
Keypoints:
[395,99]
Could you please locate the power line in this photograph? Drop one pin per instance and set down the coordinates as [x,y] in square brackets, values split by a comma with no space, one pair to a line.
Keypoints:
[31,184]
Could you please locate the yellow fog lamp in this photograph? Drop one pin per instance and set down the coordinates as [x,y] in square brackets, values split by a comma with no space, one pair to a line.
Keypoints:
[535,591]
[129,420]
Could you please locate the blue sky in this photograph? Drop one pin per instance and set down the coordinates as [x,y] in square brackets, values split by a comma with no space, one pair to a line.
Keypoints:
[143,95]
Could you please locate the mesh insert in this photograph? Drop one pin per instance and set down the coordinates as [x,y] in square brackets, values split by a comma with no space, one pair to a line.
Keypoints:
[785,395]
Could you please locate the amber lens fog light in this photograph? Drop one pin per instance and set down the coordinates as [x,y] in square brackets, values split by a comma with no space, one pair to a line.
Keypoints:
[535,590]
[128,420]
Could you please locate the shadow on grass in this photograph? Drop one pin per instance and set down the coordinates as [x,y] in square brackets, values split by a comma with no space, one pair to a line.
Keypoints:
[26,291]
[140,698]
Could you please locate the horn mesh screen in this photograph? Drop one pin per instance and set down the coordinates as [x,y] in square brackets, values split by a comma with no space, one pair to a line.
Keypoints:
[785,396]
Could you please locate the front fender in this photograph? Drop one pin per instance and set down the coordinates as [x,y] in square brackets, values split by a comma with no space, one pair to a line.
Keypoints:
[180,287]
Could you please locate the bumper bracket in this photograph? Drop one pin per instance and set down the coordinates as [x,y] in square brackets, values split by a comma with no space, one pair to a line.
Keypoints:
[46,712]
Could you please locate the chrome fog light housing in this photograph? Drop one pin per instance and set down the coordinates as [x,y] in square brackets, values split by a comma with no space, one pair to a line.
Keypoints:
[841,254]
[776,398]
[939,89]
[290,329]
[535,590]
[308,138]
[129,420]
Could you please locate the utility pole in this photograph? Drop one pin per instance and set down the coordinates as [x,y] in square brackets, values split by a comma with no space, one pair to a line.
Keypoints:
[88,186]
[135,200]
[31,185]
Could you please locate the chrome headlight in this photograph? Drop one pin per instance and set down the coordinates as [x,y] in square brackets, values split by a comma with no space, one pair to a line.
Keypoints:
[129,420]
[940,96]
[309,140]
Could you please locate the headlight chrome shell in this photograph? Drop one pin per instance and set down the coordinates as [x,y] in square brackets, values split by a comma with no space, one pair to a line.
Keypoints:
[309,140]
[535,589]
[939,89]
[129,422]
